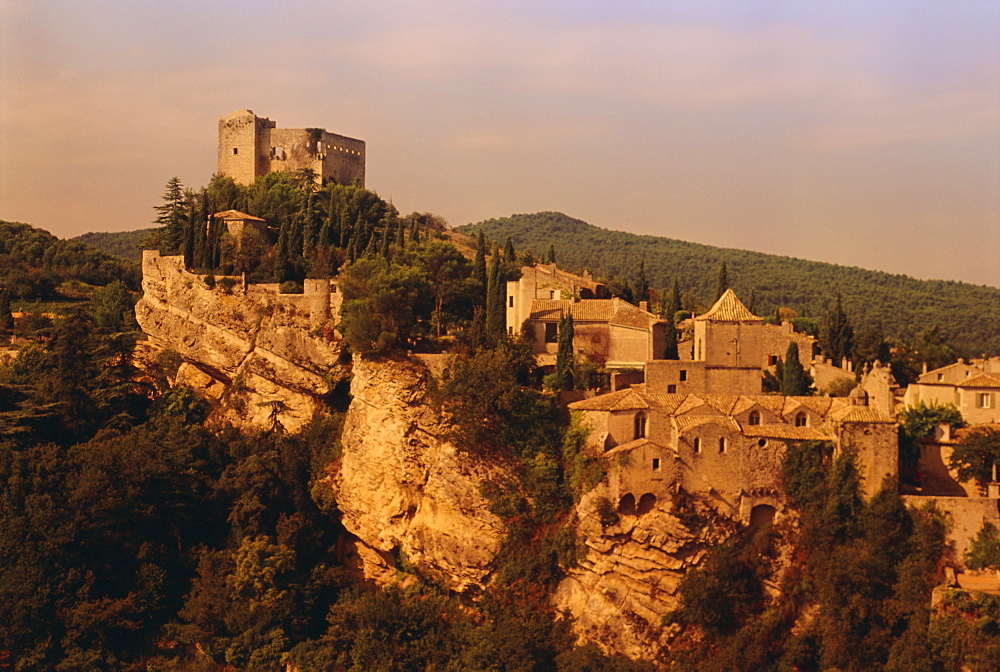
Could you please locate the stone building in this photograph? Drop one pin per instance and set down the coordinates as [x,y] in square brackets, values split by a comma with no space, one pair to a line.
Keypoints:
[610,331]
[252,146]
[240,224]
[727,447]
[973,387]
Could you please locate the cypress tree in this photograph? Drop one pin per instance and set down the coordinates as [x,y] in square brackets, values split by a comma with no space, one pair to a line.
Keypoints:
[721,282]
[509,255]
[642,284]
[479,265]
[495,312]
[414,230]
[6,317]
[794,382]
[281,270]
[565,373]
[550,256]
[836,335]
[752,305]
[675,302]
[670,341]
[401,239]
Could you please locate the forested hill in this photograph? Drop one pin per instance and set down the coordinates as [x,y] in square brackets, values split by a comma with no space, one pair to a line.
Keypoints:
[125,244]
[966,315]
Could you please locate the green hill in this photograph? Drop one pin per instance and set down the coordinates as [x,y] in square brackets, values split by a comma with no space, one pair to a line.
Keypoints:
[125,244]
[903,307]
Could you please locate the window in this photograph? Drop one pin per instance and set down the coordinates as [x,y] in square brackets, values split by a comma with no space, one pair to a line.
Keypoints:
[772,360]
[551,332]
[722,444]
[697,445]
[801,419]
[656,464]
[671,389]
[236,150]
[984,400]
[762,443]
[510,301]
[510,331]
[640,426]
[940,377]
[684,375]
[754,418]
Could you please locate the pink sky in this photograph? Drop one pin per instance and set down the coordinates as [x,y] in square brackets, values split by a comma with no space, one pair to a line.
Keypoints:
[840,132]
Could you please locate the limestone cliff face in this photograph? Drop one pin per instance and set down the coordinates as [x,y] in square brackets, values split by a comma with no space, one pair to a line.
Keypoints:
[404,490]
[619,592]
[259,354]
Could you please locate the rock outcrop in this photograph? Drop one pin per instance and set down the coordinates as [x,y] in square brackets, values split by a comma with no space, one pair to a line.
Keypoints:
[404,490]
[620,590]
[260,355]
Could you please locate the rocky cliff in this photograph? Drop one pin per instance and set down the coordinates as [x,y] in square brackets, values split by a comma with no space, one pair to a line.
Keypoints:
[627,581]
[260,355]
[412,500]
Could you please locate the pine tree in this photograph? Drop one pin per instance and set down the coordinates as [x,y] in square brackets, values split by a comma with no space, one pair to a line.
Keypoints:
[794,380]
[721,282]
[173,215]
[565,364]
[836,335]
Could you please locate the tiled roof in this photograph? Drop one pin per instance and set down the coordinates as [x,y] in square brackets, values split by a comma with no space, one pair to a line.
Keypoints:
[982,380]
[622,400]
[860,414]
[628,315]
[613,311]
[729,309]
[785,432]
[820,405]
[686,422]
[631,445]
[236,214]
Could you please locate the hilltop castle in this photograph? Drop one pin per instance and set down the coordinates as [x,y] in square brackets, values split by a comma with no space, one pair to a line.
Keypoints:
[252,146]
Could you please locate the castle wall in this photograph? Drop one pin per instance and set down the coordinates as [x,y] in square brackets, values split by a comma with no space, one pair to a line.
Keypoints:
[244,146]
[877,448]
[700,378]
[966,516]
[729,344]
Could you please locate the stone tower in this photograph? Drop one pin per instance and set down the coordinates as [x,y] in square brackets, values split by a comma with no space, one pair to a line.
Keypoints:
[251,146]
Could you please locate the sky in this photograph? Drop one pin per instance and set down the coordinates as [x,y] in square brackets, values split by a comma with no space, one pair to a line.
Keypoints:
[864,133]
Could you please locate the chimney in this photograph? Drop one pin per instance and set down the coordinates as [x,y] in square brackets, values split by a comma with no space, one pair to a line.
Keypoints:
[925,367]
[644,306]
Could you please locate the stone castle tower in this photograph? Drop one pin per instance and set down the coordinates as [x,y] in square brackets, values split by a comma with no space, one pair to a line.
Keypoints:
[251,146]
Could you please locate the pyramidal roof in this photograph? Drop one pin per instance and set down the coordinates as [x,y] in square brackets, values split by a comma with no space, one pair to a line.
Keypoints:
[729,309]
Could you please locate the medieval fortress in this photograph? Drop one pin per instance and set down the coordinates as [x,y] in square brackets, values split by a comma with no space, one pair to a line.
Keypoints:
[252,146]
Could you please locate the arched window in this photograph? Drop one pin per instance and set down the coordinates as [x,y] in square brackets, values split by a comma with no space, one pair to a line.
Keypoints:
[754,418]
[801,419]
[722,444]
[640,426]
[697,445]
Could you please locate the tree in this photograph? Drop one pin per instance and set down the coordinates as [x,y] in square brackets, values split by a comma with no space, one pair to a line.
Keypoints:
[670,341]
[479,264]
[444,267]
[985,550]
[6,317]
[836,335]
[977,455]
[112,307]
[918,422]
[550,255]
[382,302]
[642,284]
[565,373]
[794,380]
[173,215]
[496,312]
[675,301]
[721,282]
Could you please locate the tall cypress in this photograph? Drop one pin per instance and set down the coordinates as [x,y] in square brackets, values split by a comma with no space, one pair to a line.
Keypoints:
[721,282]
[675,302]
[281,265]
[794,382]
[670,341]
[495,311]
[642,284]
[565,365]
[479,265]
[836,335]
[550,256]
[752,304]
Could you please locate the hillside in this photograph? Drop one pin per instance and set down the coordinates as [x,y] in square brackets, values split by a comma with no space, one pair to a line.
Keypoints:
[125,244]
[965,314]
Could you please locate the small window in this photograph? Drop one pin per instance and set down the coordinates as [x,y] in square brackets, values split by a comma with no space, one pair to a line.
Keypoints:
[684,375]
[722,444]
[551,332]
[984,400]
[697,444]
[671,389]
[236,150]
[510,301]
[754,418]
[940,377]
[510,331]
[656,464]
[801,419]
[640,426]
[762,443]
[772,360]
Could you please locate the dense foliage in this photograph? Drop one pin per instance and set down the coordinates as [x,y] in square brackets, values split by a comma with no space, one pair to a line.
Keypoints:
[124,244]
[900,306]
[34,263]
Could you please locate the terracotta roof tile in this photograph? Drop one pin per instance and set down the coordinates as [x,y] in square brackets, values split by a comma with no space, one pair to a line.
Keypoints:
[860,414]
[786,432]
[982,380]
[820,405]
[686,422]
[622,400]
[729,309]
[631,445]
[235,214]
[628,315]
